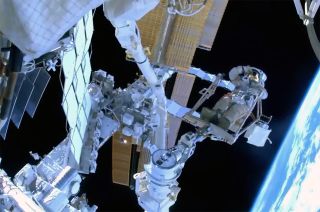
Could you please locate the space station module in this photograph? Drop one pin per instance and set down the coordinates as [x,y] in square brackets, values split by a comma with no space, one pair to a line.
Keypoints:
[52,185]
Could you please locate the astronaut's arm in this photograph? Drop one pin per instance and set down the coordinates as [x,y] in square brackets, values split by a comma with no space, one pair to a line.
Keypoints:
[264,94]
[259,91]
[236,72]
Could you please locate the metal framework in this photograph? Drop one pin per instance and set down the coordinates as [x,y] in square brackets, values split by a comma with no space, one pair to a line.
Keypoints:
[307,15]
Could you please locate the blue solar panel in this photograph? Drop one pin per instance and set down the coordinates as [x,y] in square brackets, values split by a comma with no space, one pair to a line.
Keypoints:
[22,101]
[40,85]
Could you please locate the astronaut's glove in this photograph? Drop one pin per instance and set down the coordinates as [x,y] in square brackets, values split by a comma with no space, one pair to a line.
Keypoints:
[254,91]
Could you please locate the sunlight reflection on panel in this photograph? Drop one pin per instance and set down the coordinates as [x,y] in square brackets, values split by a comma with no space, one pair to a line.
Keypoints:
[80,86]
[77,69]
[76,144]
[68,68]
[70,106]
[82,122]
[80,44]
[86,68]
[89,28]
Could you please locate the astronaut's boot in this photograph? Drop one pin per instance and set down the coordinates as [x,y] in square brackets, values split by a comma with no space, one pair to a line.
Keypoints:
[209,115]
[224,123]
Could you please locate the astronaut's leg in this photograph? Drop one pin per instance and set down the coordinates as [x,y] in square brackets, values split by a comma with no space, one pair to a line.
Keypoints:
[212,115]
[207,114]
[223,103]
[234,113]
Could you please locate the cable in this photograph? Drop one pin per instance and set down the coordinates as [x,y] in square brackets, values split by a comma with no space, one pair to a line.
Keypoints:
[186,8]
[109,109]
[29,66]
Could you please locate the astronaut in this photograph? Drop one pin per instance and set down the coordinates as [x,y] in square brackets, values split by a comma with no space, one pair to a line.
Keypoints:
[232,109]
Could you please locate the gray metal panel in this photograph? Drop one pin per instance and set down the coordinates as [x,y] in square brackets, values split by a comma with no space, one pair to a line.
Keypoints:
[212,24]
[39,87]
[17,89]
[70,106]
[175,124]
[22,101]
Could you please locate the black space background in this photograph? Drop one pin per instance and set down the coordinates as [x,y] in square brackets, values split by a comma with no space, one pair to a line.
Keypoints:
[265,34]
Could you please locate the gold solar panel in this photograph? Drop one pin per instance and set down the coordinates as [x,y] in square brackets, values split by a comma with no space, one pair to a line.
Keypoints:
[181,93]
[121,158]
[150,27]
[184,39]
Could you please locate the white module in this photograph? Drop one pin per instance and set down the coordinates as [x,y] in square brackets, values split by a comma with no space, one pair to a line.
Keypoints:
[257,134]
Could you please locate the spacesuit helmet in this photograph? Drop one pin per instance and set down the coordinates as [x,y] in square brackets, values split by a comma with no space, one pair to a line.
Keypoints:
[256,75]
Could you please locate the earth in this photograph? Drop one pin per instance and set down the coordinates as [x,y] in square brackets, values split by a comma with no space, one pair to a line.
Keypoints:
[293,182]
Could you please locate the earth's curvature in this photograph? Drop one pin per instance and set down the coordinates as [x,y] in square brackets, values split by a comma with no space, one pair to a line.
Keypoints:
[293,182]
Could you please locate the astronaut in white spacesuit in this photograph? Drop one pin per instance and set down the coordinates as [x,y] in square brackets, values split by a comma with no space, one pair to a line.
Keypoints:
[231,110]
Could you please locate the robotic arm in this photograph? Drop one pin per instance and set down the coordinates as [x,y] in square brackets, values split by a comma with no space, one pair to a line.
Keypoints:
[123,15]
[307,15]
[311,8]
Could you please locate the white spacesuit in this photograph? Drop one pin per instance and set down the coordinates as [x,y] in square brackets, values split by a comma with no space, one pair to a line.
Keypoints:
[231,110]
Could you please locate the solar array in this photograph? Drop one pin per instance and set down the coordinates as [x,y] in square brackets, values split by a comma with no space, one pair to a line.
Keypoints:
[76,66]
[27,94]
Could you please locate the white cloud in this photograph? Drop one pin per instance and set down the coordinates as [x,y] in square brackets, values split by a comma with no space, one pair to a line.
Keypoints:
[304,194]
[308,198]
